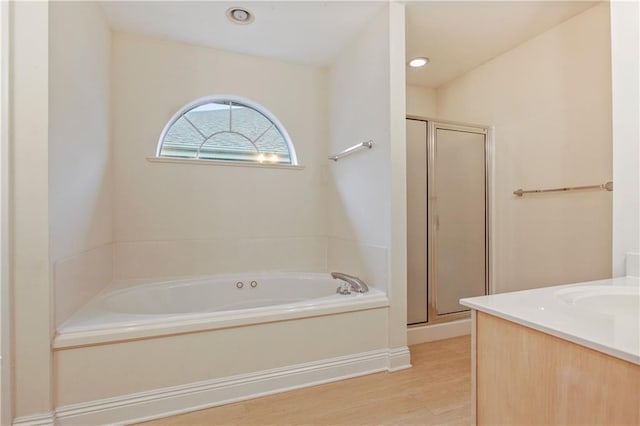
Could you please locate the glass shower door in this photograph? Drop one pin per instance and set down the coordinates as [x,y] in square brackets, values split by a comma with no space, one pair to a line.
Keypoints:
[458,216]
[417,222]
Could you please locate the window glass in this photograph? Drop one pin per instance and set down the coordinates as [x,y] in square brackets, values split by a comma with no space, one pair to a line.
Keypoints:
[227,130]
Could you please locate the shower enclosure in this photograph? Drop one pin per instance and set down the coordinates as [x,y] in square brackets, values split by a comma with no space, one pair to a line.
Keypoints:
[448,168]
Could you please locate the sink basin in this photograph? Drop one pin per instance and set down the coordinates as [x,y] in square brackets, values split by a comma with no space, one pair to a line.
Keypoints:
[609,300]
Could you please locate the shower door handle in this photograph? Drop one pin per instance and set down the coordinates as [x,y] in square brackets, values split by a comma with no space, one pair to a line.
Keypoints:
[436,223]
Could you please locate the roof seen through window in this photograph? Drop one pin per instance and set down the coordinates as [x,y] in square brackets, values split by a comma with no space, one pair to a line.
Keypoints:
[226,130]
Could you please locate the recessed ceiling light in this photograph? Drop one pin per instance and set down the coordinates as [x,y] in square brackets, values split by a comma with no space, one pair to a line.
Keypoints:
[419,62]
[239,15]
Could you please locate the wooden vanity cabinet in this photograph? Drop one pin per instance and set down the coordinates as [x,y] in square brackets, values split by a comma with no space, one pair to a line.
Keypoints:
[521,376]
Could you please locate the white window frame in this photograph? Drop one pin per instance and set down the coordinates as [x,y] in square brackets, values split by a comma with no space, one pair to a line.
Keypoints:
[236,100]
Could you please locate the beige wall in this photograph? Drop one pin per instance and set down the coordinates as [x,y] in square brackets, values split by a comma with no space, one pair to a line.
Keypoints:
[366,102]
[421,101]
[6,410]
[397,291]
[625,18]
[208,218]
[80,163]
[79,157]
[29,115]
[359,184]
[550,101]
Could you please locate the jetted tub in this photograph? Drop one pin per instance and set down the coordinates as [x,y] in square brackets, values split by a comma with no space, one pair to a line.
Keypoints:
[137,309]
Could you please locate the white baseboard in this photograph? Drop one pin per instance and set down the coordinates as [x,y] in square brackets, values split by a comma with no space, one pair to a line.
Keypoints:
[447,330]
[399,359]
[35,420]
[196,396]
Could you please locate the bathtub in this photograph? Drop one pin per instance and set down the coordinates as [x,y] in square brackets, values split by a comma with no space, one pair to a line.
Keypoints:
[136,309]
[160,347]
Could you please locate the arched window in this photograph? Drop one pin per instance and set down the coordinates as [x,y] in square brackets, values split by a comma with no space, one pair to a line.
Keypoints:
[226,128]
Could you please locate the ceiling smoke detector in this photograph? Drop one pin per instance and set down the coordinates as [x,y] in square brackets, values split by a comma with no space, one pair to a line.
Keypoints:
[239,15]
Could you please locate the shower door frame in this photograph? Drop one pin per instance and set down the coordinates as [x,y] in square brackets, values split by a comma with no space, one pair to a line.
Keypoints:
[489,149]
[432,248]
[6,391]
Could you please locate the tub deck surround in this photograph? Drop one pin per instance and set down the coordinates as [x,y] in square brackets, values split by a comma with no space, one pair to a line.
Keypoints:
[136,309]
[184,344]
[601,315]
[156,376]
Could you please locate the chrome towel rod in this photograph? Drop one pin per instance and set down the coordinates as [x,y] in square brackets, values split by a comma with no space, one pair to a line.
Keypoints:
[608,186]
[351,150]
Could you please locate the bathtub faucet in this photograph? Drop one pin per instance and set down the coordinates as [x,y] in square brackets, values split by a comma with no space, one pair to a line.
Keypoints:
[351,283]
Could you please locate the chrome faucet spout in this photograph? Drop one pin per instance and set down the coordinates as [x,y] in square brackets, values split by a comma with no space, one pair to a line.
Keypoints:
[355,283]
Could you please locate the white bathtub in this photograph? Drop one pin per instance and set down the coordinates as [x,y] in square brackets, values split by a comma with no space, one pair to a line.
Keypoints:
[137,309]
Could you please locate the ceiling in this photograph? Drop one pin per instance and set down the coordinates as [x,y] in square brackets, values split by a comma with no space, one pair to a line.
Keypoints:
[310,32]
[457,36]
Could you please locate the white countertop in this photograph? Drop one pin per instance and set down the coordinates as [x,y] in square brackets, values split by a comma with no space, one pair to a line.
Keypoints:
[607,324]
